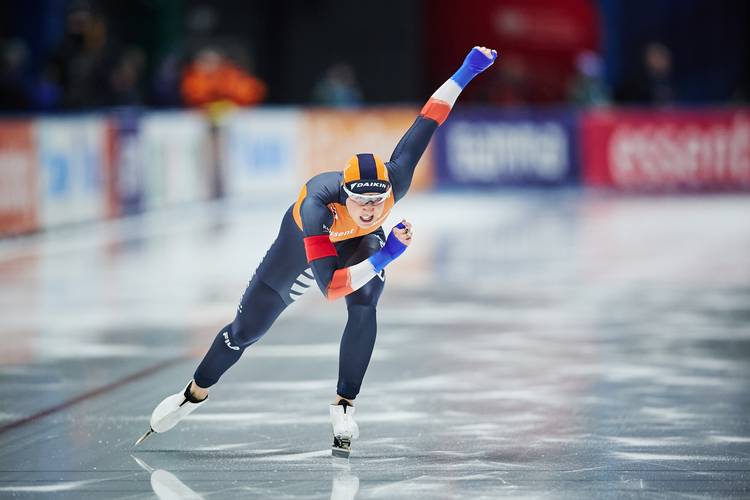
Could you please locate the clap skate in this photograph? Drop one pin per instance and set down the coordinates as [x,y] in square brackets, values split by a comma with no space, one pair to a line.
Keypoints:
[345,429]
[170,411]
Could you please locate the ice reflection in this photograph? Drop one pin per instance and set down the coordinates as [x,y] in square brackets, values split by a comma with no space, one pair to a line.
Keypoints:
[167,486]
[344,484]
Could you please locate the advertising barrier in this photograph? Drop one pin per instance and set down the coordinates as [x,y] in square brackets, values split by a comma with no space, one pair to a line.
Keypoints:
[332,137]
[261,152]
[667,150]
[74,169]
[174,152]
[493,147]
[18,177]
[58,170]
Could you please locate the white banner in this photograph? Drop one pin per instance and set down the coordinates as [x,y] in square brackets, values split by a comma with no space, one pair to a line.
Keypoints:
[73,163]
[175,158]
[261,152]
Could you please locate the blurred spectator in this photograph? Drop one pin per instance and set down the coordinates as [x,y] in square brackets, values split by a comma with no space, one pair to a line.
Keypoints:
[125,77]
[658,62]
[84,58]
[212,82]
[46,92]
[166,84]
[338,87]
[587,87]
[13,60]
[654,84]
[212,78]
[511,83]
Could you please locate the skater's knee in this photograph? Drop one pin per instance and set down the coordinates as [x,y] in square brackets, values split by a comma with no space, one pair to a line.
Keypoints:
[248,330]
[362,315]
[369,294]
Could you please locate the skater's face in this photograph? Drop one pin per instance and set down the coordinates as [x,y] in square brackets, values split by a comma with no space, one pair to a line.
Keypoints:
[364,215]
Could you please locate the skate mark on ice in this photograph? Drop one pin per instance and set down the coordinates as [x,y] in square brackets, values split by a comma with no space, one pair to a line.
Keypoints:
[730,439]
[272,419]
[60,485]
[294,456]
[665,456]
[235,446]
[649,442]
[99,391]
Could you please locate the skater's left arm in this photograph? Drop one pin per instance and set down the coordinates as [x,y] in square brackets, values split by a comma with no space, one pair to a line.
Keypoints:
[337,282]
[413,144]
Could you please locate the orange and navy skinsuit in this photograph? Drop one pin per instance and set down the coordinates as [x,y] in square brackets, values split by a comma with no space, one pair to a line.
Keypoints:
[320,211]
[318,242]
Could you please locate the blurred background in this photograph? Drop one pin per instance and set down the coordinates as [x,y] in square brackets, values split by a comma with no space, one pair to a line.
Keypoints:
[112,108]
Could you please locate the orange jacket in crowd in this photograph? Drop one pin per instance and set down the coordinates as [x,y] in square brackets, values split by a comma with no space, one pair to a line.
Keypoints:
[202,85]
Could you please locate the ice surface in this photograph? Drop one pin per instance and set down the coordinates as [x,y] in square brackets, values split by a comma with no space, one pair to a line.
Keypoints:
[551,344]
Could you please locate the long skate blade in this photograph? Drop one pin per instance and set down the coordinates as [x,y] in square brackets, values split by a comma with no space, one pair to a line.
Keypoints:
[143,438]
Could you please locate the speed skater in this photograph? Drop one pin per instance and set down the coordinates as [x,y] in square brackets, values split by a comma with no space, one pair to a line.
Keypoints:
[332,236]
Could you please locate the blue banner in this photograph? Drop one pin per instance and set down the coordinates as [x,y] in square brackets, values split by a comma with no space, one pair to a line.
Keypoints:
[127,161]
[506,147]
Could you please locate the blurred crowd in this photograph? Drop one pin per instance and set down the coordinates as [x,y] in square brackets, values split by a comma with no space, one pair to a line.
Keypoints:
[652,85]
[90,66]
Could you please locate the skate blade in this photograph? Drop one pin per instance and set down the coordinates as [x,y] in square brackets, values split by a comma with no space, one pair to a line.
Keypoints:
[143,438]
[341,447]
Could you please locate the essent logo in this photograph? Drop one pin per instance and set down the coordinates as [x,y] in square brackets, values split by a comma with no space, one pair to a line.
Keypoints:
[681,153]
[336,234]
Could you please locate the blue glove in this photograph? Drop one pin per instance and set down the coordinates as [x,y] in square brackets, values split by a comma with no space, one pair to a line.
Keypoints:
[475,63]
[392,249]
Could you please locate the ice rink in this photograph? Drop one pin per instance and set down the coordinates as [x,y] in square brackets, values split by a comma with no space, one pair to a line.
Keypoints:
[531,344]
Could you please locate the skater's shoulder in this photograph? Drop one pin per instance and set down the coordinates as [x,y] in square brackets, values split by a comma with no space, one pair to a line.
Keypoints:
[325,186]
[333,177]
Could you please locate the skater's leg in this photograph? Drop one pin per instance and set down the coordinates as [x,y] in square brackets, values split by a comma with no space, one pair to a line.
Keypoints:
[358,339]
[281,277]
[357,344]
[274,286]
[260,307]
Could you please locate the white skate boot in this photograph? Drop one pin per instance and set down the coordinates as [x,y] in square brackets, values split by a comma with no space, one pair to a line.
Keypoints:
[171,410]
[345,429]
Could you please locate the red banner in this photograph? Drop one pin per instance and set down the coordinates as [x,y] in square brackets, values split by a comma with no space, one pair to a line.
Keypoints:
[667,150]
[18,181]
[538,41]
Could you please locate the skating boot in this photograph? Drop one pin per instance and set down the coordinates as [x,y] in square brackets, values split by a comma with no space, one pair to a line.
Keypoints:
[345,429]
[170,411]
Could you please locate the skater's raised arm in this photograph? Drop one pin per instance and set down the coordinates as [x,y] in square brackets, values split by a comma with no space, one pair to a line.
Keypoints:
[413,144]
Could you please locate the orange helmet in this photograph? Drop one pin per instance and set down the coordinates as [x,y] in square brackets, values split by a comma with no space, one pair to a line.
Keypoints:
[366,173]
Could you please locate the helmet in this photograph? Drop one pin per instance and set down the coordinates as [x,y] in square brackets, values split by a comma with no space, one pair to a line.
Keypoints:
[365,179]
